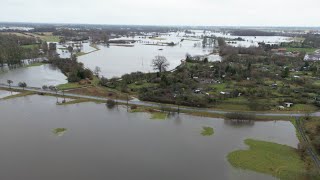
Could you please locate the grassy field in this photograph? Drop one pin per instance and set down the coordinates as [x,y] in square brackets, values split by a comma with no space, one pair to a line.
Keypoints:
[31,46]
[69,86]
[280,161]
[14,33]
[46,36]
[232,106]
[304,108]
[307,50]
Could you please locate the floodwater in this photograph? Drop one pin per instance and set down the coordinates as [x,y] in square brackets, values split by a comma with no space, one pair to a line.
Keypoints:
[36,76]
[113,144]
[254,40]
[64,53]
[117,60]
[4,94]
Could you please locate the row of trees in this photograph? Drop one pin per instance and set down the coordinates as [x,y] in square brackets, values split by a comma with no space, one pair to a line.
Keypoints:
[74,70]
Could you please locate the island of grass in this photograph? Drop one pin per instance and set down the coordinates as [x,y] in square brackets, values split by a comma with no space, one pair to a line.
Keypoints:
[207,131]
[59,131]
[278,160]
[155,114]
[159,115]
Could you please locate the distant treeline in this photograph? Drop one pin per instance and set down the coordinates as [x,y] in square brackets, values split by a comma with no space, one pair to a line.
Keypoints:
[252,33]
[231,50]
[312,40]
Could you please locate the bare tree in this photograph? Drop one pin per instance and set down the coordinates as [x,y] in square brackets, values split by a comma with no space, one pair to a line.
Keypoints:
[160,63]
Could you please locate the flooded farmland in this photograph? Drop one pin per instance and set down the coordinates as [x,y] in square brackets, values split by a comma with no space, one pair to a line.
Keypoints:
[114,144]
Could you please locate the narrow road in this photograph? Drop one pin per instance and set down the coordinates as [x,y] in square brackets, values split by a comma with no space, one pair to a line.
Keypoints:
[149,104]
[309,149]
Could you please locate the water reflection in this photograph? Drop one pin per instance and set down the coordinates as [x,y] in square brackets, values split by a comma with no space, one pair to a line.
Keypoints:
[239,123]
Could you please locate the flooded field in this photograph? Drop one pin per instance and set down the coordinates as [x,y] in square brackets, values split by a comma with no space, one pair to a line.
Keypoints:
[36,76]
[115,144]
[118,59]
[4,94]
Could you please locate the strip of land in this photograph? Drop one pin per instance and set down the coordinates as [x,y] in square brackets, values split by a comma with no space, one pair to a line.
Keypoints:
[157,105]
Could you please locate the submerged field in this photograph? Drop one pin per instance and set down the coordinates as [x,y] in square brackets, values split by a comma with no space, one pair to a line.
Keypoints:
[69,139]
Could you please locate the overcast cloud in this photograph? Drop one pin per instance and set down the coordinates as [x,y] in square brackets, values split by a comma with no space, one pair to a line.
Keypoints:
[165,12]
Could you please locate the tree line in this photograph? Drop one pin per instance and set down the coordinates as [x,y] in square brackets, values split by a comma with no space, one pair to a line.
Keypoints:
[12,51]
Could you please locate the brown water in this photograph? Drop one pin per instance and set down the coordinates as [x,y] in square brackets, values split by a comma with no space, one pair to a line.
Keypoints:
[113,144]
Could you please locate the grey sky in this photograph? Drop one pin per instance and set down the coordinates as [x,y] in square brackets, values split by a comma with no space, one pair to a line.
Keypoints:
[165,12]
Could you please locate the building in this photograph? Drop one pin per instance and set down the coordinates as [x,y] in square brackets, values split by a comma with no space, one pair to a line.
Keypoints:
[288,105]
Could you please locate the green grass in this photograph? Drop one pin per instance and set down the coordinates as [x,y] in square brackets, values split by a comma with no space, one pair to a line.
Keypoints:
[207,131]
[48,37]
[232,106]
[136,87]
[159,115]
[59,131]
[278,160]
[31,46]
[317,83]
[219,87]
[304,107]
[69,86]
[237,100]
[307,50]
